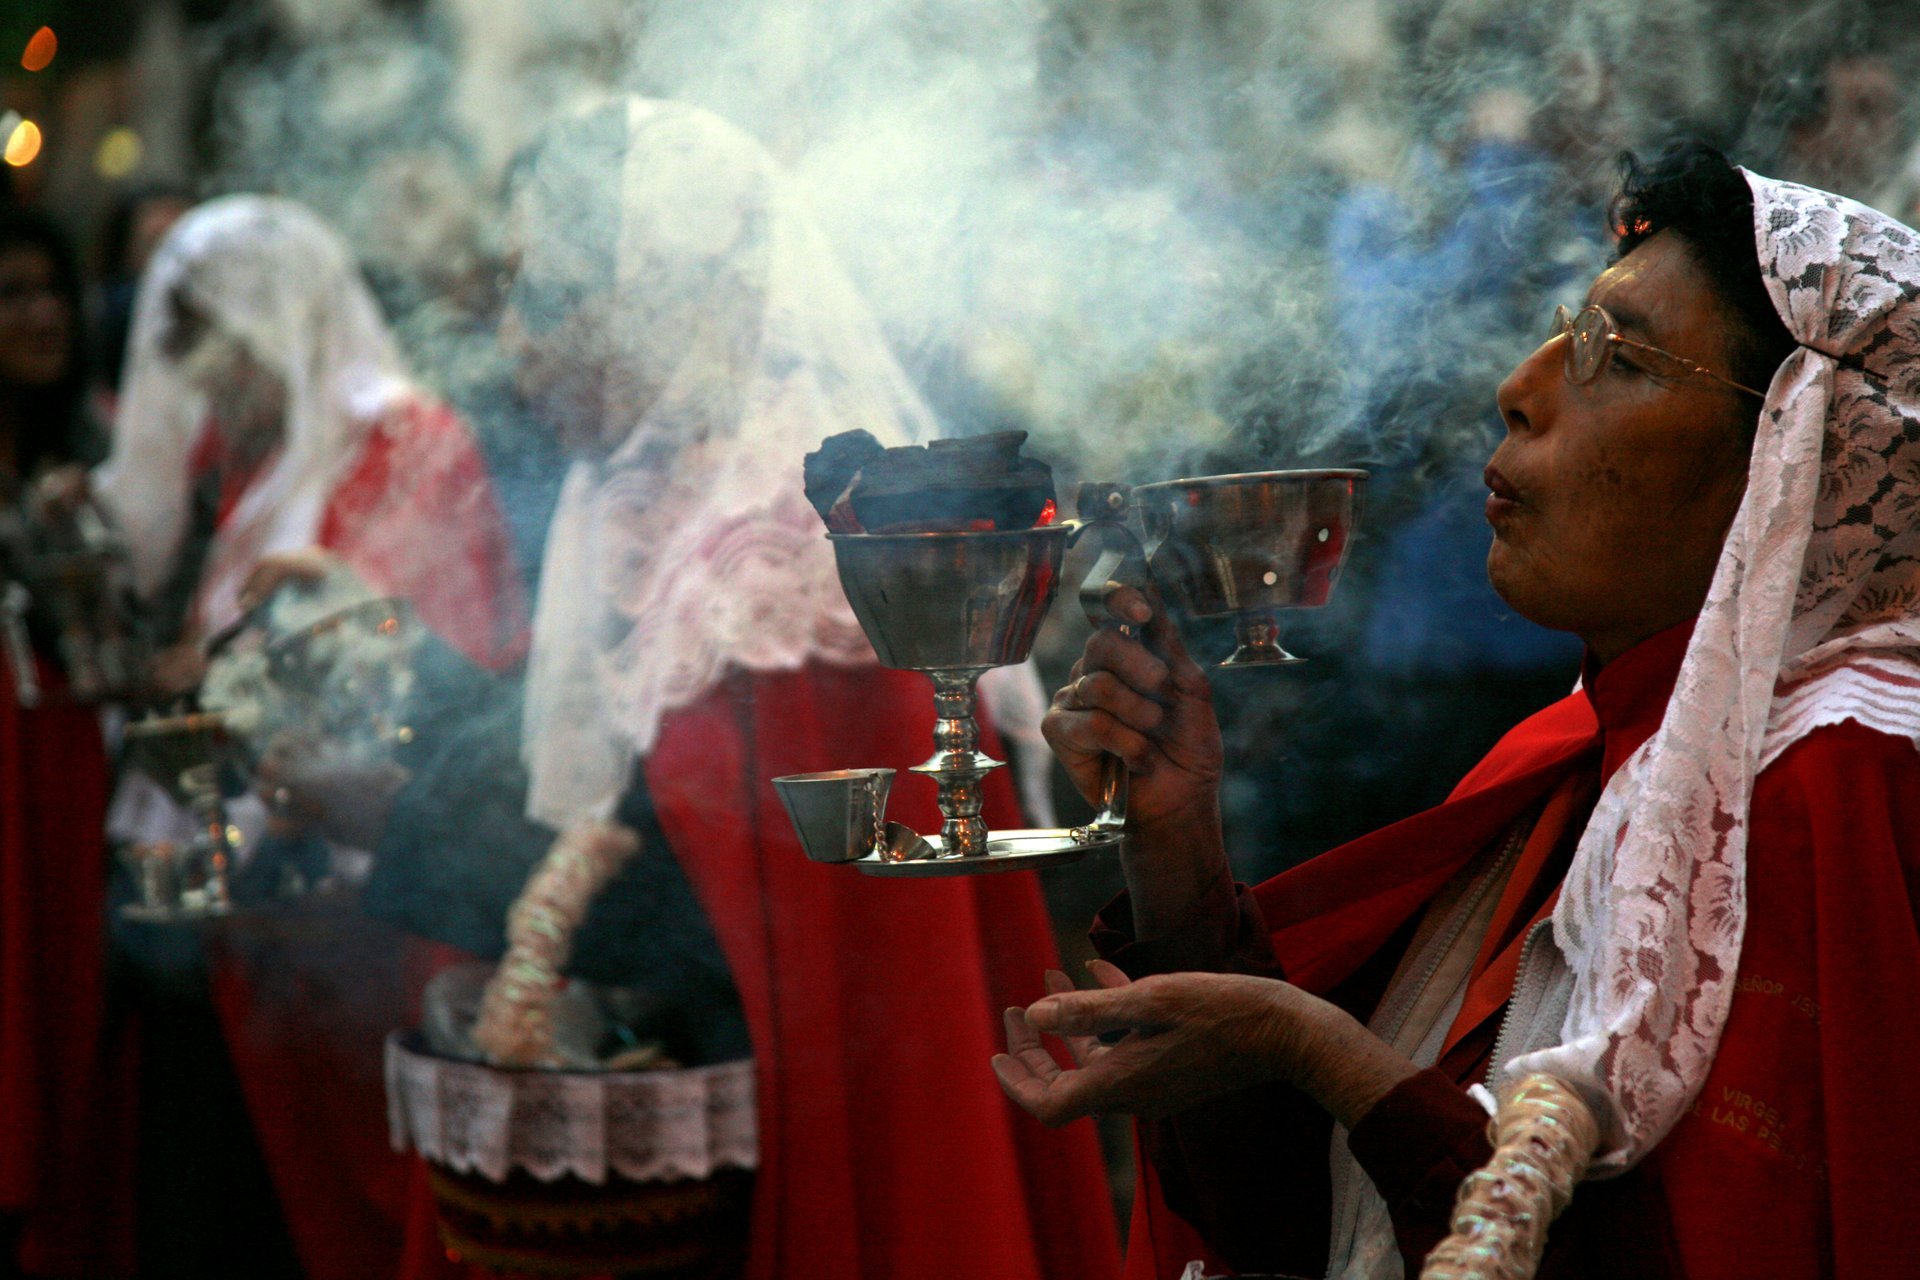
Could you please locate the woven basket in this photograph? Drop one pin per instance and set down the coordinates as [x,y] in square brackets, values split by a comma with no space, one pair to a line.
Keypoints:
[530,1170]
[693,1230]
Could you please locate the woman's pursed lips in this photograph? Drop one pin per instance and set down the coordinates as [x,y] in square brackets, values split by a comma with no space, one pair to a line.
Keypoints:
[1502,498]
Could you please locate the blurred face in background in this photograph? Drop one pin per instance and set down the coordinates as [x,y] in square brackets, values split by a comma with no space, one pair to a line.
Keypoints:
[151,221]
[1853,145]
[37,324]
[246,399]
[552,328]
[583,359]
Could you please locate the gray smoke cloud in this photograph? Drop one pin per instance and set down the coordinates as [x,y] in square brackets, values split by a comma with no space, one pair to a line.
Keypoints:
[1111,223]
[1165,237]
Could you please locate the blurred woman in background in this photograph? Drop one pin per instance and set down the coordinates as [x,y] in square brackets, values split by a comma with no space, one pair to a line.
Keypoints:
[682,325]
[266,410]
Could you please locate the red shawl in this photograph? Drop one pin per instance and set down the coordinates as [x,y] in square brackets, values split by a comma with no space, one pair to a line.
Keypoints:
[1798,1150]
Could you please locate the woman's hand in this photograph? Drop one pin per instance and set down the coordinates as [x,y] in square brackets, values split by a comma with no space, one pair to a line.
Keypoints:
[1149,703]
[309,566]
[1188,1038]
[1146,701]
[1084,1048]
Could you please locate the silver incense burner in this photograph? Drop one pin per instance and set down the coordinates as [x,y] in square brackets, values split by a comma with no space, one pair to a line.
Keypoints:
[954,605]
[317,694]
[181,883]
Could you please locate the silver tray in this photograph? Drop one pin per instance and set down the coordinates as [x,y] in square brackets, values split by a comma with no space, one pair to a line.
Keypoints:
[141,913]
[1015,850]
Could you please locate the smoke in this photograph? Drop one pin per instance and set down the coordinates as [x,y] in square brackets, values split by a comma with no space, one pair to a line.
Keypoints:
[1164,236]
[1108,223]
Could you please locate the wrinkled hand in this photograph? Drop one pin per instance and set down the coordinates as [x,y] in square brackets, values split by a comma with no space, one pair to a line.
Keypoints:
[1192,1037]
[308,566]
[1146,701]
[1024,1042]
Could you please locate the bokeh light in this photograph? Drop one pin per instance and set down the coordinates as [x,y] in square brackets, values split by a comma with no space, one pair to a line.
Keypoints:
[40,50]
[23,144]
[118,154]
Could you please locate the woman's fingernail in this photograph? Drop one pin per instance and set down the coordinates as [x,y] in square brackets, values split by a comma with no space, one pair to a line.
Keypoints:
[1043,1013]
[1139,611]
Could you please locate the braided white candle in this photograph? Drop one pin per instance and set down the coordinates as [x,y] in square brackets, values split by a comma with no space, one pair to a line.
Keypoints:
[515,1026]
[1543,1137]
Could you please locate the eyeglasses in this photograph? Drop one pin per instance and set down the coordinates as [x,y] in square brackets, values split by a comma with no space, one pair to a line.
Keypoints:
[1595,335]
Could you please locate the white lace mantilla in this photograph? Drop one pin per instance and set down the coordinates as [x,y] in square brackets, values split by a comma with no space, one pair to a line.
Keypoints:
[645,1126]
[1813,618]
[277,279]
[683,546]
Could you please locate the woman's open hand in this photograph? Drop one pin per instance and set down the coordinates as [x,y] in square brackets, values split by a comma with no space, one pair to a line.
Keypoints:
[1146,701]
[1186,1038]
[1024,1043]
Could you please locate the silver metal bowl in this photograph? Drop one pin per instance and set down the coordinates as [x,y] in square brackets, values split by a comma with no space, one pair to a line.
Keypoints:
[1249,544]
[952,601]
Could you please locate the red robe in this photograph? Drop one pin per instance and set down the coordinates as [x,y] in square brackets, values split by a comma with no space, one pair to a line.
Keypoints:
[1796,1157]
[886,1151]
[65,1093]
[306,998]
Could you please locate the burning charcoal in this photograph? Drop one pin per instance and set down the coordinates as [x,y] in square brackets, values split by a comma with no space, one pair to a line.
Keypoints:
[832,469]
[980,482]
[977,483]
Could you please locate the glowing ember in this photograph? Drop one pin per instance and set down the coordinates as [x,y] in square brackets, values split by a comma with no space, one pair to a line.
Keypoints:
[40,50]
[1047,513]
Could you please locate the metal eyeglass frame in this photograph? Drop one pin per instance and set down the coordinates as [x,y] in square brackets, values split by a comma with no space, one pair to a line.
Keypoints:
[1582,368]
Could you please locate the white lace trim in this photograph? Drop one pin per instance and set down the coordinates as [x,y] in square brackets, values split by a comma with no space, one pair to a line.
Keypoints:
[645,1126]
[1880,693]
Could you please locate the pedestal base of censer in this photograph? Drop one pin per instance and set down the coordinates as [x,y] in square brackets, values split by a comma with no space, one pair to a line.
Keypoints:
[1018,850]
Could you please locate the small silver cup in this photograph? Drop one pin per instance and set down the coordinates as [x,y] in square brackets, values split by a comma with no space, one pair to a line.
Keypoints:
[841,814]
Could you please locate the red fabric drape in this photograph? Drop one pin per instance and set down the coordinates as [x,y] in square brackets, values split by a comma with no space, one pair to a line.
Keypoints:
[887,1148]
[66,1165]
[417,517]
[306,996]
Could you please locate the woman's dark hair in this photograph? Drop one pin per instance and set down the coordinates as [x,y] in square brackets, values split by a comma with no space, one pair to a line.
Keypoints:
[57,428]
[1693,191]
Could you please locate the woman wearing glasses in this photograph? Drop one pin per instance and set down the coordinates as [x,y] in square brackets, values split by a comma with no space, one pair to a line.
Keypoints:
[1684,896]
